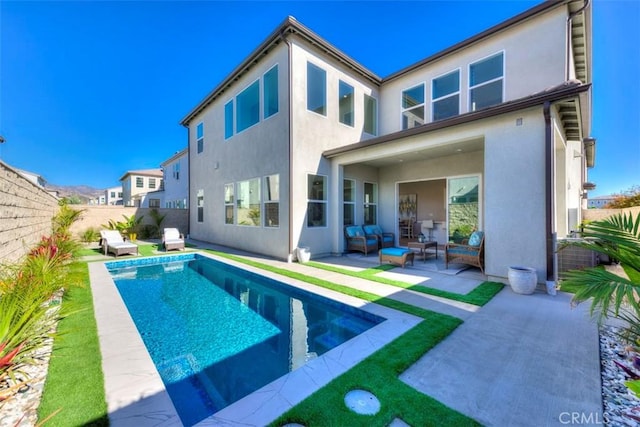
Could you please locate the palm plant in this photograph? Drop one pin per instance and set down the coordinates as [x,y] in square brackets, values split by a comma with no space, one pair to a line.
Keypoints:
[619,238]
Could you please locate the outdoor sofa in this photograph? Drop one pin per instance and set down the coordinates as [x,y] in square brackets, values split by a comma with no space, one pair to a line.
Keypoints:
[112,242]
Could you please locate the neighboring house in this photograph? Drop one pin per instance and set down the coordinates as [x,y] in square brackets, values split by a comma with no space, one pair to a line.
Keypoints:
[136,184]
[176,180]
[301,139]
[600,201]
[113,196]
[33,177]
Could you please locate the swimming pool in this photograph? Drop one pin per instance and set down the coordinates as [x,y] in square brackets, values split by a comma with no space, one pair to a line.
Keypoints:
[217,333]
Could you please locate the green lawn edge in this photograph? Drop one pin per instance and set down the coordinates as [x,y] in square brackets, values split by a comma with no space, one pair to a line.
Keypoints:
[378,373]
[73,393]
[479,296]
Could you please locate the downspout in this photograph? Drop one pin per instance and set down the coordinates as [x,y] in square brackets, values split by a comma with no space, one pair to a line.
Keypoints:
[289,95]
[188,233]
[549,191]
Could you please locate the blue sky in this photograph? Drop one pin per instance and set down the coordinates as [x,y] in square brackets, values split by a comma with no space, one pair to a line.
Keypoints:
[89,90]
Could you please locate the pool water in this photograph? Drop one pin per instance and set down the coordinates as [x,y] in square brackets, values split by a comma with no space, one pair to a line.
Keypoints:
[217,333]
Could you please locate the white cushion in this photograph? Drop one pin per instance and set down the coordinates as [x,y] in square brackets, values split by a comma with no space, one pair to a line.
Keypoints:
[172,234]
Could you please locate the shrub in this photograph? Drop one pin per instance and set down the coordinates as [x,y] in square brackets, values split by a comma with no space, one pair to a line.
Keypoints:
[90,235]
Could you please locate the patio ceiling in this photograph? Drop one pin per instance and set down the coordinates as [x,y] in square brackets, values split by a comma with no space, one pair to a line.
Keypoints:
[426,153]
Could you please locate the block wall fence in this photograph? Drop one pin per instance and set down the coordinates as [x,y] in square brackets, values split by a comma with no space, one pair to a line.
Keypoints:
[97,215]
[26,211]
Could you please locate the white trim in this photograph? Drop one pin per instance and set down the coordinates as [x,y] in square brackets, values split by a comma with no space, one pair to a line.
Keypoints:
[262,93]
[459,92]
[503,77]
[235,107]
[325,201]
[326,89]
[353,104]
[424,102]
[377,124]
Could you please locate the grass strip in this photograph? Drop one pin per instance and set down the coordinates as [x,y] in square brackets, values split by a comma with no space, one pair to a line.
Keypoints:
[378,373]
[480,295]
[73,393]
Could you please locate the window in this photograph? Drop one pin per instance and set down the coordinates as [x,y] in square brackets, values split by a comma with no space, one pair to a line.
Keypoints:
[272,201]
[345,101]
[486,78]
[370,203]
[248,107]
[413,107]
[445,92]
[228,204]
[270,88]
[200,205]
[113,194]
[349,199]
[370,115]
[317,201]
[154,203]
[228,119]
[176,170]
[316,89]
[200,137]
[152,183]
[139,182]
[120,194]
[248,202]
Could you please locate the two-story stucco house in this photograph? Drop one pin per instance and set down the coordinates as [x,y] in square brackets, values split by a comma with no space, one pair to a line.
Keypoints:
[176,180]
[113,196]
[137,184]
[492,133]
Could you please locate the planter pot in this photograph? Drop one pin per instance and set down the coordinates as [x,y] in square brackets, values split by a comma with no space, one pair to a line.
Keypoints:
[523,280]
[303,254]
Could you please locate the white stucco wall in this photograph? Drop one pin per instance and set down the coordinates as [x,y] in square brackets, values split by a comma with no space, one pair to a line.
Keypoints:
[538,44]
[314,133]
[256,152]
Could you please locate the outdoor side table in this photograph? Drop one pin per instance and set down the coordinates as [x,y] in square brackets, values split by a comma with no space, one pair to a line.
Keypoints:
[423,248]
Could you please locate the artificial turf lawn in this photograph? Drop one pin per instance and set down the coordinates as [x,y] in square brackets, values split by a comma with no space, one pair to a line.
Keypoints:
[480,295]
[74,389]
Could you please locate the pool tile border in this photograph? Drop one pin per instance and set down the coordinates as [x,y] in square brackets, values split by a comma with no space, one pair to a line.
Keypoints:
[134,390]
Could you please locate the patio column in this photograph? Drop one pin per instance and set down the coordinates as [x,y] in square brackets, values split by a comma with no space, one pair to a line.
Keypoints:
[335,208]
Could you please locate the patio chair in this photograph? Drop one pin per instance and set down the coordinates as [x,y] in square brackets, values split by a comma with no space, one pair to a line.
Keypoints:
[406,228]
[172,239]
[470,251]
[357,240]
[385,240]
[112,242]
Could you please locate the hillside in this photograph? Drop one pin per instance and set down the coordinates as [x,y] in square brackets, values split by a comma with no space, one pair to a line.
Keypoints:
[84,192]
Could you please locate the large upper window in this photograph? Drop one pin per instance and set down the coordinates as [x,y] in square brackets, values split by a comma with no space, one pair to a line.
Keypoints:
[486,78]
[272,201]
[370,203]
[317,201]
[228,119]
[248,202]
[200,137]
[152,183]
[139,182]
[349,196]
[370,115]
[413,107]
[270,88]
[446,95]
[316,89]
[248,107]
[228,204]
[345,100]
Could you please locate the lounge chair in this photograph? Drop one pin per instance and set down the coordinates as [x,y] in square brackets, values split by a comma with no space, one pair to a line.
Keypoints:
[470,251]
[385,240]
[172,239]
[357,240]
[112,242]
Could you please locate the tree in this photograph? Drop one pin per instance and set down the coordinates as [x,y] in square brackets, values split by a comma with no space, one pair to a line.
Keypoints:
[627,199]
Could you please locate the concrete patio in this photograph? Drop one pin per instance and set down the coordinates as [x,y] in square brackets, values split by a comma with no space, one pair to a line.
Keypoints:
[521,360]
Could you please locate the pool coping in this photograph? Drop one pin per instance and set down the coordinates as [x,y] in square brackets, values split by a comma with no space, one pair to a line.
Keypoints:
[136,395]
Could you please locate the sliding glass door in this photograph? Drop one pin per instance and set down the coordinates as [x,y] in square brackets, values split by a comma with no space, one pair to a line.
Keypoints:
[463,210]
